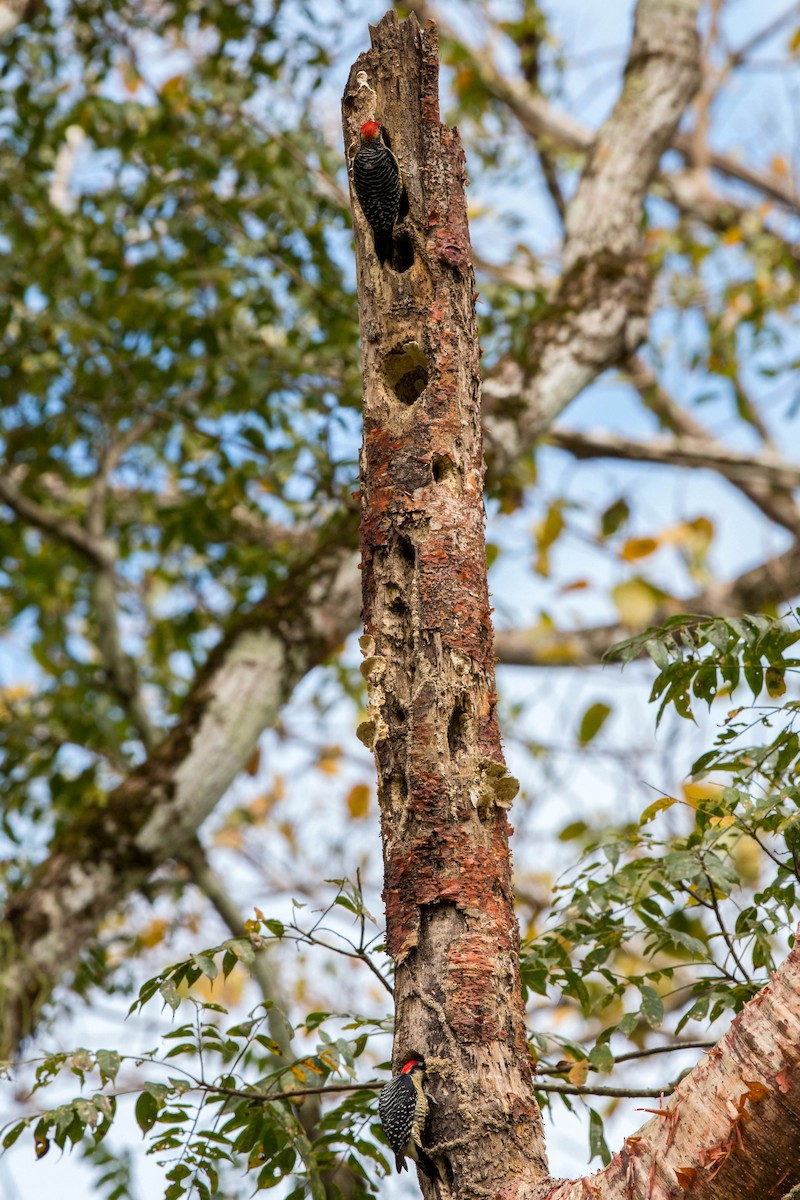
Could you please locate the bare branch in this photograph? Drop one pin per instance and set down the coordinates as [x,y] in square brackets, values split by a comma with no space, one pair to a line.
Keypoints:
[764,34]
[206,879]
[769,495]
[761,589]
[630,1093]
[98,552]
[432,722]
[599,313]
[705,454]
[545,123]
[120,667]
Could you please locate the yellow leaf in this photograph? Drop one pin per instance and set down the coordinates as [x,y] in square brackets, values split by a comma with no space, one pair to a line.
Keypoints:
[174,87]
[155,933]
[637,602]
[286,828]
[328,761]
[547,532]
[640,547]
[576,586]
[780,164]
[358,801]
[578,1074]
[131,78]
[232,839]
[748,859]
[660,805]
[699,790]
[222,991]
[776,684]
[693,537]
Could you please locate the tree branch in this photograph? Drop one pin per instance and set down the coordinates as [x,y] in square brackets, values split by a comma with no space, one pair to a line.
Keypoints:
[339,1182]
[13,12]
[96,550]
[120,667]
[705,454]
[768,495]
[206,879]
[729,1131]
[108,851]
[760,589]
[546,123]
[599,313]
[442,784]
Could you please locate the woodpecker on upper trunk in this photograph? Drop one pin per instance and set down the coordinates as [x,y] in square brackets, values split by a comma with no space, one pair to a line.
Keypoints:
[378,186]
[403,1109]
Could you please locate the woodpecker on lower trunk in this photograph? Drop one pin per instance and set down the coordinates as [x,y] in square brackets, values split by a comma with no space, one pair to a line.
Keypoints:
[378,186]
[403,1109]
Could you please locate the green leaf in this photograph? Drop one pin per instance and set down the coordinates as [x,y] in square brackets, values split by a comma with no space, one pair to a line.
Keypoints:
[614,517]
[601,1058]
[652,1006]
[108,1062]
[682,866]
[592,722]
[597,1141]
[13,1134]
[146,1111]
[170,995]
[658,652]
[574,830]
[206,964]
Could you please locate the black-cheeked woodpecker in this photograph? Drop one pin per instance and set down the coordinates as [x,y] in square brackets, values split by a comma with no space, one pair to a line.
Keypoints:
[378,187]
[403,1109]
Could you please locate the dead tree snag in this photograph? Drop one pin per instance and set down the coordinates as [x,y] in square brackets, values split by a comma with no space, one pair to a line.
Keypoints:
[428,658]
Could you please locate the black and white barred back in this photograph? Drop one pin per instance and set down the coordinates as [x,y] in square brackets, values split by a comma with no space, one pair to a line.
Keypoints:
[403,1114]
[378,186]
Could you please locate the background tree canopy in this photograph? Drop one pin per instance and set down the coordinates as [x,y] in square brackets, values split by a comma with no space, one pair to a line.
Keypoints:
[179,430]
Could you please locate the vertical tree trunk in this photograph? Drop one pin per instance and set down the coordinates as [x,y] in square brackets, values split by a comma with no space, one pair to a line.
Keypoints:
[444,789]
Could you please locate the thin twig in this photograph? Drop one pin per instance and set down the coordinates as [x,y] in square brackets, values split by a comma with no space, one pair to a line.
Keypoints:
[208,881]
[723,929]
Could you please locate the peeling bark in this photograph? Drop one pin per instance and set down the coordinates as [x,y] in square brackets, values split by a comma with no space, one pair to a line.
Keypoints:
[442,782]
[732,1127]
[731,1130]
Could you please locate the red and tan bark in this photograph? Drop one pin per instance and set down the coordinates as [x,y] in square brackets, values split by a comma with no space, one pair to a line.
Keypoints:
[731,1130]
[443,786]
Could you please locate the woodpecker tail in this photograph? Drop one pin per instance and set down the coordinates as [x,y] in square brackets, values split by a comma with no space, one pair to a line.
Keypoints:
[427,1165]
[384,245]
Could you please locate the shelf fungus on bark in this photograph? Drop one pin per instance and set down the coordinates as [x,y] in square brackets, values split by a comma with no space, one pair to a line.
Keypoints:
[494,787]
